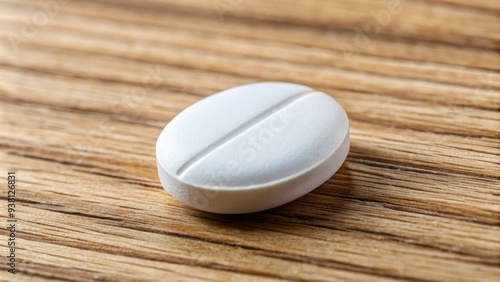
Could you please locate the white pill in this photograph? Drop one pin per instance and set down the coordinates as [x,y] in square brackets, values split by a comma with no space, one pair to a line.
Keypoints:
[252,147]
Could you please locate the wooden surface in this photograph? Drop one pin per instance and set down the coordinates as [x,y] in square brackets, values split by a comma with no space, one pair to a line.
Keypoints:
[86,89]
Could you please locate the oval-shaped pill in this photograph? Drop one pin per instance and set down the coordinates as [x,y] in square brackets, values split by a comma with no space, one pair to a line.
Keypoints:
[252,147]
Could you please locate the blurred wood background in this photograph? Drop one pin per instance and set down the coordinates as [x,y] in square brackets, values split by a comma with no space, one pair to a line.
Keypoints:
[87,86]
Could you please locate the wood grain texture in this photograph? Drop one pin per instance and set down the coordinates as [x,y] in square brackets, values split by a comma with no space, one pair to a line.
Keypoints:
[86,89]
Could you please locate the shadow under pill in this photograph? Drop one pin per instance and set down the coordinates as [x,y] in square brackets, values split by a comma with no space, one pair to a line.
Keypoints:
[325,204]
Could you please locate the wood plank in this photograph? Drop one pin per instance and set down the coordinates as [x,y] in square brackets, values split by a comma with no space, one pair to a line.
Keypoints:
[416,200]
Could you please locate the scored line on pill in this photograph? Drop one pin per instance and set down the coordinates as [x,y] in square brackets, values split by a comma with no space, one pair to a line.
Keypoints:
[242,128]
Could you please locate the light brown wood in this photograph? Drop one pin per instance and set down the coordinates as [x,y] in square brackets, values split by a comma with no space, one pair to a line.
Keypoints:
[418,198]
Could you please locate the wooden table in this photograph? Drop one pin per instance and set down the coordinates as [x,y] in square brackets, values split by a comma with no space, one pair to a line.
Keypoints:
[87,86]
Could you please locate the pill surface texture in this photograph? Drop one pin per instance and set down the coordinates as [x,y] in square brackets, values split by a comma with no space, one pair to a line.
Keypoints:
[252,147]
